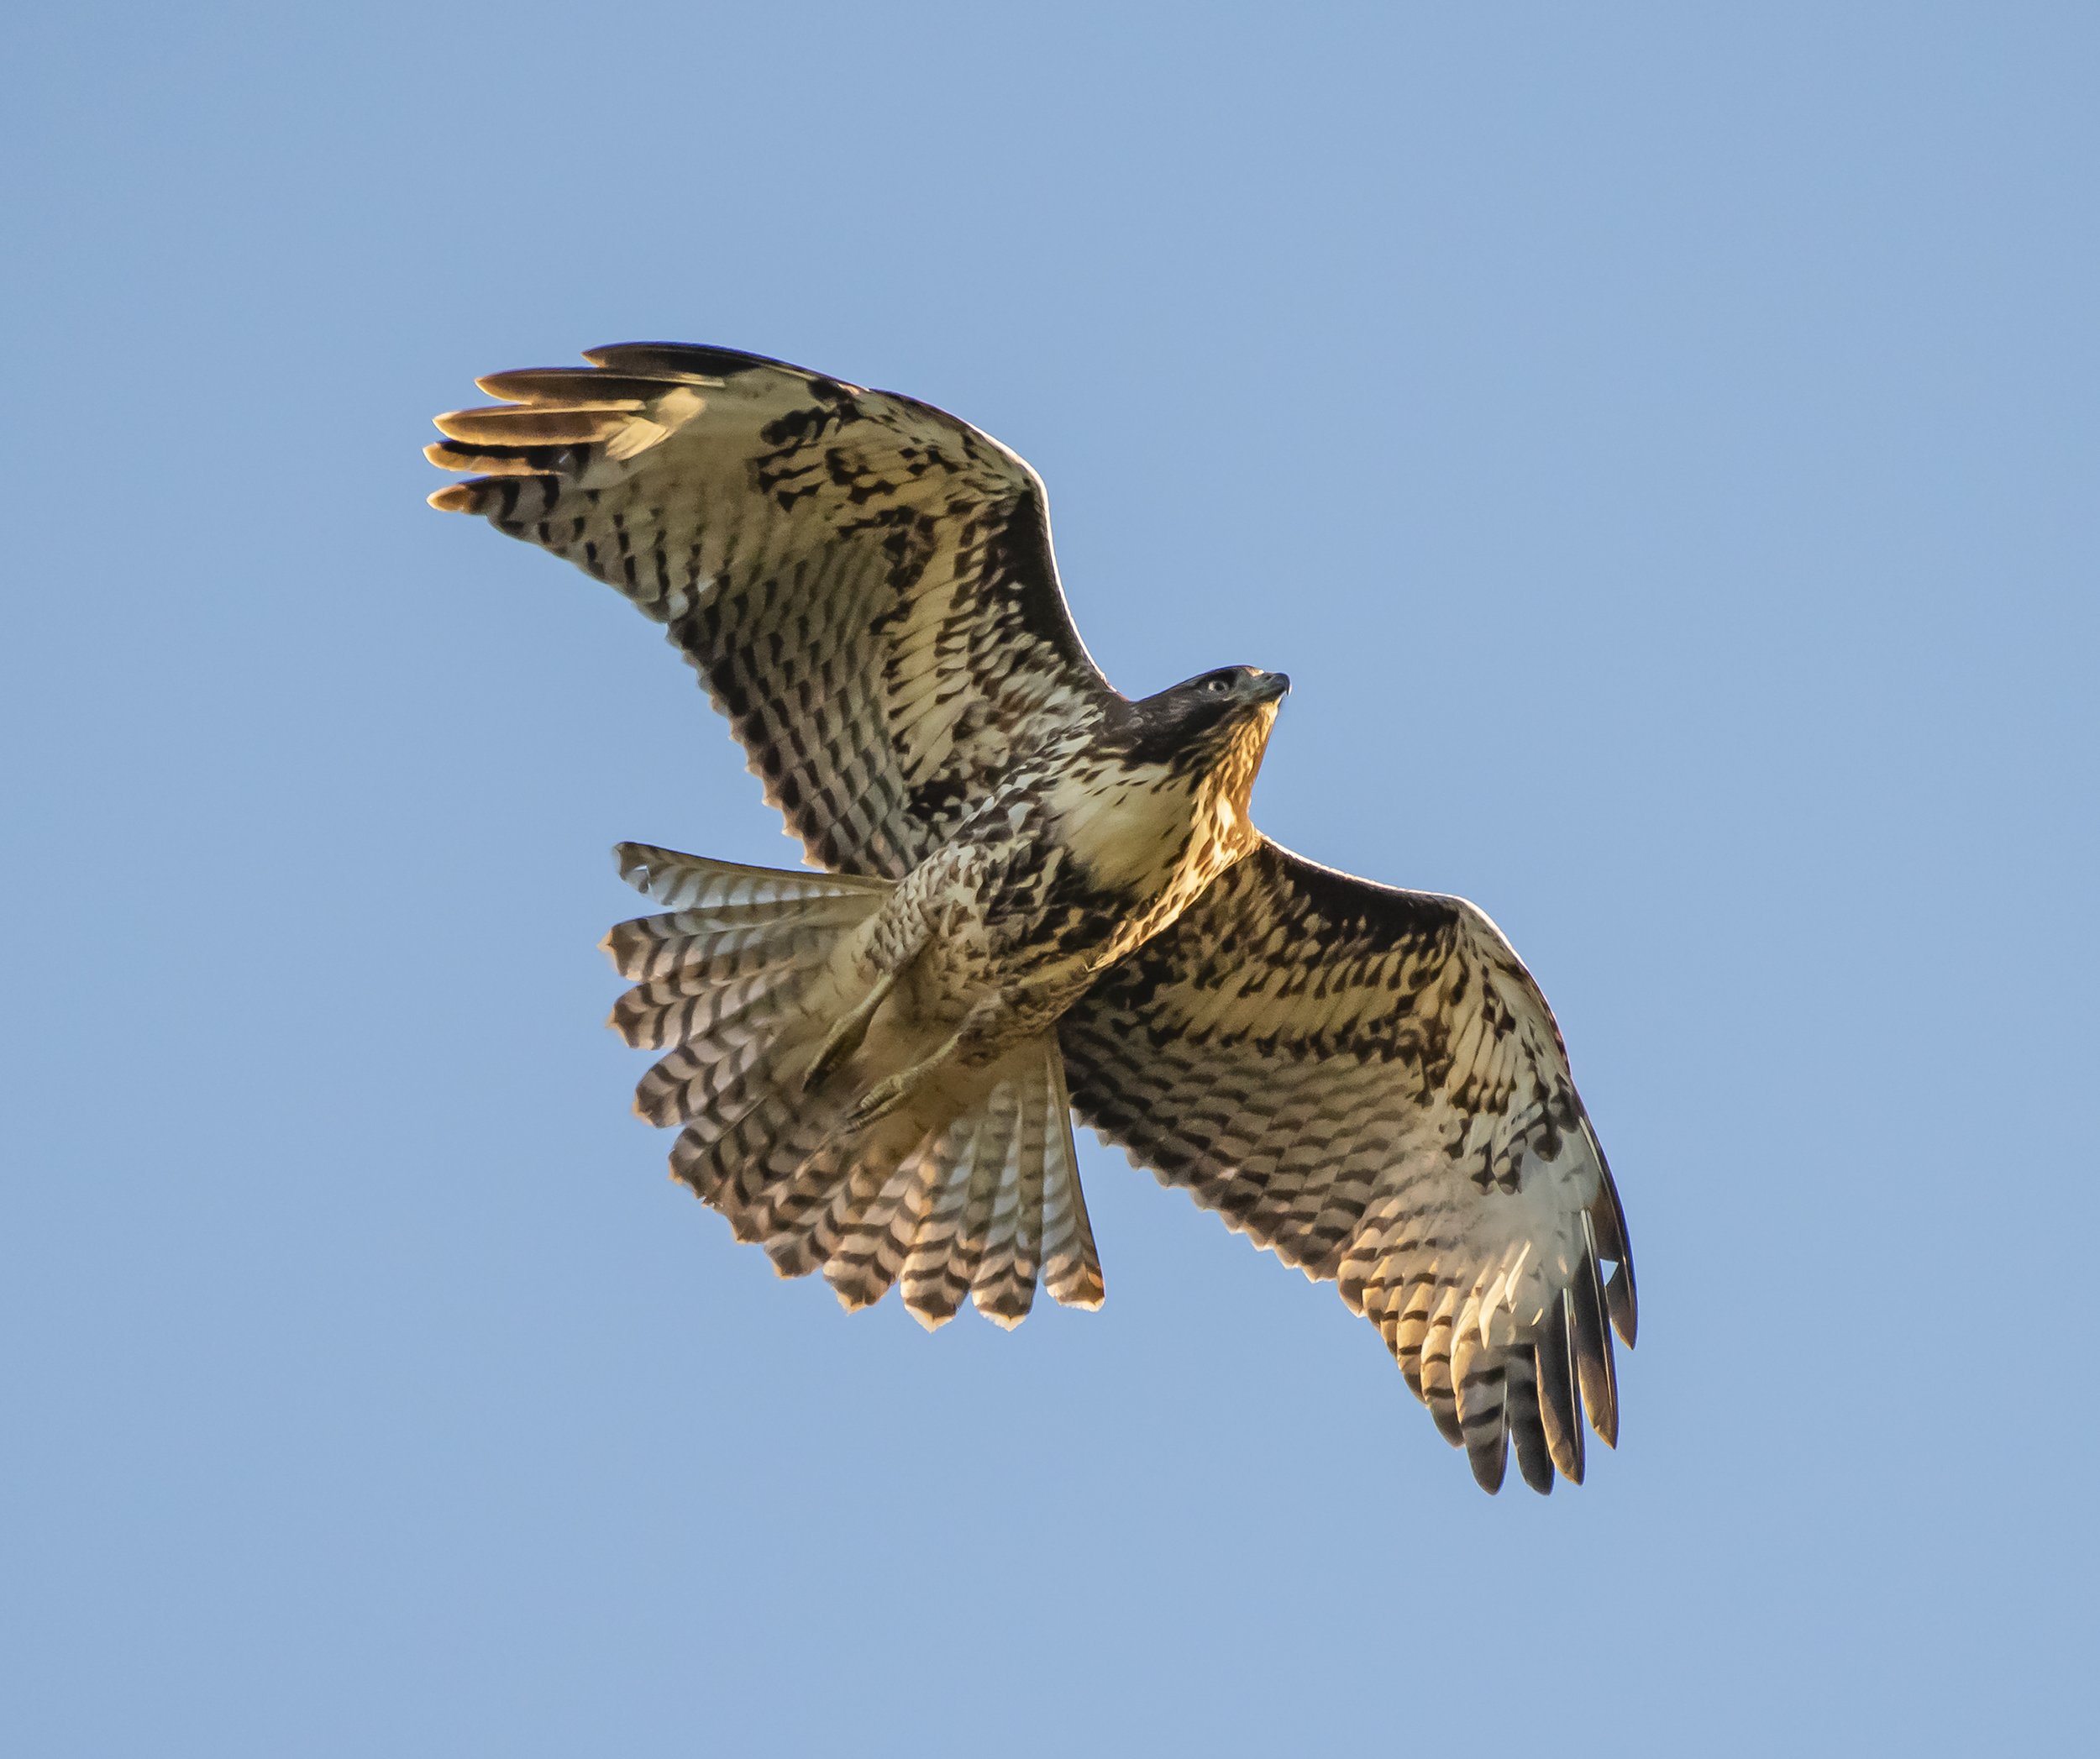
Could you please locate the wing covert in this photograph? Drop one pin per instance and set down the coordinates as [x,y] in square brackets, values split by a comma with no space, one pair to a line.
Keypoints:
[1367,1082]
[864,583]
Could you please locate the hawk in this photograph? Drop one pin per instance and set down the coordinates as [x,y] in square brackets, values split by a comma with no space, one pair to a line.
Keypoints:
[1035,896]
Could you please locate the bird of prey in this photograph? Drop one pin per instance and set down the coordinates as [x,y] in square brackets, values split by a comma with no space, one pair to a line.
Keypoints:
[1035,896]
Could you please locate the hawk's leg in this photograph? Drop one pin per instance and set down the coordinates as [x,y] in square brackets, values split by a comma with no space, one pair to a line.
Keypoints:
[844,1038]
[991,1028]
[895,946]
[891,1092]
[887,1094]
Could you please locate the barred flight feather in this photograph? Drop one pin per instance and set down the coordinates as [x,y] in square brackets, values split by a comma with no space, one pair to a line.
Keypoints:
[1005,1286]
[1527,1432]
[873,1246]
[943,1263]
[1560,1399]
[744,938]
[694,1002]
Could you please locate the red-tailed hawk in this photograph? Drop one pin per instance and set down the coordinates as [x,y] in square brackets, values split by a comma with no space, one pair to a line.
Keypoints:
[1038,896]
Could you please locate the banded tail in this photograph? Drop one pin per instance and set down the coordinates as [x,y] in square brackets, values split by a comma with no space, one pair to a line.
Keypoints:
[970,1189]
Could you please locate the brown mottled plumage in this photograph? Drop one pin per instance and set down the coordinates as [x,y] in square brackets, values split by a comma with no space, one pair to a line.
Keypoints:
[1039,895]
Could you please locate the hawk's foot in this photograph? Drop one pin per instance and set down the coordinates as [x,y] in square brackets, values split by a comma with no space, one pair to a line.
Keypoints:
[884,1097]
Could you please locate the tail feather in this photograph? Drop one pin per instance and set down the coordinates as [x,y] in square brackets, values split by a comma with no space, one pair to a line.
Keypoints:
[693,882]
[1005,1207]
[943,1260]
[990,1149]
[704,1082]
[700,882]
[870,1254]
[739,984]
[735,939]
[849,1237]
[723,985]
[693,1006]
[776,1163]
[1071,1268]
[704,1157]
[802,1222]
[1004,1288]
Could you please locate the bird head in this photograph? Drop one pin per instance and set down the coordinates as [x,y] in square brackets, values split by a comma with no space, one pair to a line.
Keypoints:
[1204,718]
[1228,698]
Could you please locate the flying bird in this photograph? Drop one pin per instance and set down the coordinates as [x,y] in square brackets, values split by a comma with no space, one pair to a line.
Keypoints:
[1035,896]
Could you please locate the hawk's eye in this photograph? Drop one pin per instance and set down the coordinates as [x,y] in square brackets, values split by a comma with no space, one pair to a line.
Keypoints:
[1217,686]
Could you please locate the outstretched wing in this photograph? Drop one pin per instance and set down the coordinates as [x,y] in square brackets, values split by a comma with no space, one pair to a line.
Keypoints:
[1367,1083]
[864,583]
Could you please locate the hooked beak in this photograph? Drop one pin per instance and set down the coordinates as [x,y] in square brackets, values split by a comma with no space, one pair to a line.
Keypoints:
[1272,687]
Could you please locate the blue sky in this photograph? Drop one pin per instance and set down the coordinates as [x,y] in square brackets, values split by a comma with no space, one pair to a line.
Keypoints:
[1659,443]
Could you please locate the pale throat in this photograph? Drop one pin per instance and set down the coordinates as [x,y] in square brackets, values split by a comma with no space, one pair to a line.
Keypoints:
[1222,795]
[1161,835]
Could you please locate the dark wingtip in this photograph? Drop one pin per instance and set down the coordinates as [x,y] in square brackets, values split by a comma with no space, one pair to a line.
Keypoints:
[1559,1395]
[1592,1354]
[692,358]
[1623,1303]
[1490,1462]
[1527,1433]
[1614,1245]
[1537,1469]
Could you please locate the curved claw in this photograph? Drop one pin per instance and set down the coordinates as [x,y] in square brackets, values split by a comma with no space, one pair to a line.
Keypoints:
[878,1102]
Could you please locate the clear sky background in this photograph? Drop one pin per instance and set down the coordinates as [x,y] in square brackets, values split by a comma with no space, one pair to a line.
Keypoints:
[1661,442]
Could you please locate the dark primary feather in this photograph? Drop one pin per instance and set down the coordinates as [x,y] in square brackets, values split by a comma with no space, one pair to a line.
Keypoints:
[865,583]
[1592,1352]
[1560,1399]
[1527,1428]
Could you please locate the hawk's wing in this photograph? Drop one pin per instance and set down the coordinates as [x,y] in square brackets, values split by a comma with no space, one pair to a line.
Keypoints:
[1368,1083]
[864,583]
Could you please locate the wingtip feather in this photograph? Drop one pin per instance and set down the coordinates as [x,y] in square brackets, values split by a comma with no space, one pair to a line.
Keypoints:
[688,358]
[1527,1432]
[1490,1462]
[1560,1394]
[513,424]
[1594,1364]
[1623,1302]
